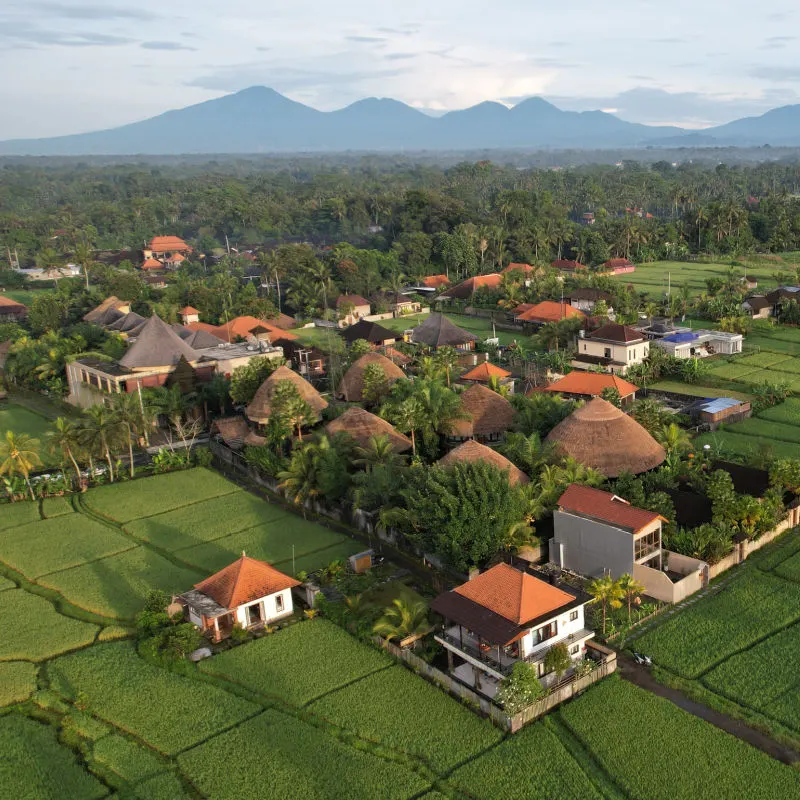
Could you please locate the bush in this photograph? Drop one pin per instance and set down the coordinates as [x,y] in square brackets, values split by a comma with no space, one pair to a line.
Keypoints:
[520,689]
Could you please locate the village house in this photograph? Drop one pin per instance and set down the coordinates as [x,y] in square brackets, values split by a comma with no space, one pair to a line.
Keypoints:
[701,343]
[503,616]
[351,387]
[371,332]
[248,593]
[260,408]
[308,361]
[485,373]
[351,308]
[488,415]
[783,294]
[401,304]
[163,248]
[111,309]
[466,289]
[11,310]
[565,265]
[586,298]
[617,266]
[613,347]
[579,385]
[472,452]
[437,331]
[546,312]
[247,329]
[188,314]
[524,272]
[361,426]
[757,306]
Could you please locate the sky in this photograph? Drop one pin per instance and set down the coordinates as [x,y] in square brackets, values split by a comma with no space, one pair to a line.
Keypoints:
[70,66]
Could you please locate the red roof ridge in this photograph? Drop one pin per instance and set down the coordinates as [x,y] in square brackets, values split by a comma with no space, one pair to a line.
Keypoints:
[592,383]
[245,580]
[606,507]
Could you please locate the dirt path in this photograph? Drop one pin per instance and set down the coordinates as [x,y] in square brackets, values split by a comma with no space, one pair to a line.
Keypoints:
[640,676]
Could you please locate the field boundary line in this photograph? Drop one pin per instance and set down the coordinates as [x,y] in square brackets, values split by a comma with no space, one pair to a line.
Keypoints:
[86,563]
[347,685]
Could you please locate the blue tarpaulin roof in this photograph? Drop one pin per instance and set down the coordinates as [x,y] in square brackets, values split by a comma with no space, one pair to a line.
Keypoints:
[677,338]
[717,404]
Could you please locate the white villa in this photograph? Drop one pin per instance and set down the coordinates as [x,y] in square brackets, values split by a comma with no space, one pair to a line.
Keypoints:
[248,593]
[613,347]
[701,343]
[503,616]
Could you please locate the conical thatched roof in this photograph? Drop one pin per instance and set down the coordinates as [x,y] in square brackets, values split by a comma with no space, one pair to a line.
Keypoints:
[361,426]
[438,331]
[157,345]
[601,436]
[127,323]
[351,387]
[489,413]
[260,406]
[472,451]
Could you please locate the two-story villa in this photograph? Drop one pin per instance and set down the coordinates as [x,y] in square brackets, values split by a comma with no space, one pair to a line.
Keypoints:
[503,616]
[614,347]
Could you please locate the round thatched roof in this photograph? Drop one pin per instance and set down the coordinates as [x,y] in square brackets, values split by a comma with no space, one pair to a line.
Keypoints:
[601,436]
[361,426]
[260,406]
[473,451]
[351,387]
[489,413]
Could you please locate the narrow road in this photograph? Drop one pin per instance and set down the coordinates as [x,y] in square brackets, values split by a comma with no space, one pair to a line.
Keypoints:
[640,676]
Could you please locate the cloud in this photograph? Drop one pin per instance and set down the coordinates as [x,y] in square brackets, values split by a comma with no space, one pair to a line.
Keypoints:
[365,39]
[399,56]
[165,46]
[24,35]
[776,74]
[91,12]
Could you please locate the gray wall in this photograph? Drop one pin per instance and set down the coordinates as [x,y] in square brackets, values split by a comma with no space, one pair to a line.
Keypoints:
[590,548]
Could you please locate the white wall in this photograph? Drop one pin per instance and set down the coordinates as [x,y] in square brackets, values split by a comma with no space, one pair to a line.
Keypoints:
[626,354]
[269,608]
[566,628]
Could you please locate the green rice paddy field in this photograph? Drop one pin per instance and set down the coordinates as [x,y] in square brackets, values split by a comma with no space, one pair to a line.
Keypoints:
[82,715]
[18,419]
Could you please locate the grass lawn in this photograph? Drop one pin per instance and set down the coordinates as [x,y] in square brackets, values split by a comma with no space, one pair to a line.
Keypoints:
[300,761]
[675,755]
[169,712]
[25,296]
[18,419]
[34,765]
[31,629]
[299,663]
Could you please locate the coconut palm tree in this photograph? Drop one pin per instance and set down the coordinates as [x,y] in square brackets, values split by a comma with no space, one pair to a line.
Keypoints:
[379,450]
[631,589]
[672,438]
[84,255]
[403,619]
[291,407]
[408,416]
[129,412]
[19,454]
[447,360]
[64,441]
[608,593]
[299,480]
[101,432]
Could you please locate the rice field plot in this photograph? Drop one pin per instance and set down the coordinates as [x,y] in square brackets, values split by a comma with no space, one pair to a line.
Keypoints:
[165,786]
[789,366]
[206,520]
[700,636]
[299,761]
[766,429]
[116,587]
[50,545]
[789,568]
[765,677]
[762,360]
[774,345]
[733,371]
[299,663]
[787,412]
[20,513]
[272,542]
[126,758]
[733,443]
[319,558]
[56,507]
[17,681]
[31,629]
[404,712]
[678,387]
[676,754]
[529,765]
[35,766]
[168,711]
[776,553]
[124,502]
[18,419]
[6,583]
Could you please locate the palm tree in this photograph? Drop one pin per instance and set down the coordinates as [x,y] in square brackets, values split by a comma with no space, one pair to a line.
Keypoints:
[442,405]
[84,255]
[672,438]
[428,368]
[447,359]
[173,404]
[290,406]
[64,441]
[631,589]
[299,480]
[403,619]
[379,450]
[101,431]
[408,416]
[129,412]
[19,454]
[608,593]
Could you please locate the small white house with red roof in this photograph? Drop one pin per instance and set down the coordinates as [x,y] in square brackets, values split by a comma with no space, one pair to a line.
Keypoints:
[189,314]
[248,593]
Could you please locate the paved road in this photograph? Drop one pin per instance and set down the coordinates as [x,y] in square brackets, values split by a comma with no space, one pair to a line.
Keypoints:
[640,676]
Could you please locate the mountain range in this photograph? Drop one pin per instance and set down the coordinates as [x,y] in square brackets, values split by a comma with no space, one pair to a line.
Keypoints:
[260,120]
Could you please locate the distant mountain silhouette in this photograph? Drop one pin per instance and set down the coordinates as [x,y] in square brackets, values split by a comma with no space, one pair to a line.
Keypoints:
[260,120]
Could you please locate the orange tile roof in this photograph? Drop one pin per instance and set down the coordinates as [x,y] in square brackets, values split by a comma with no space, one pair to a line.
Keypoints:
[566,265]
[550,311]
[241,327]
[7,302]
[201,326]
[152,263]
[244,581]
[520,267]
[166,244]
[353,299]
[467,288]
[186,310]
[484,372]
[516,596]
[176,258]
[606,507]
[435,281]
[592,384]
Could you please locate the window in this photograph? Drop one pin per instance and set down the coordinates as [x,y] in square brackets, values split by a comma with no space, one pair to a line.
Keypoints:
[544,633]
[607,352]
[573,615]
[279,603]
[575,649]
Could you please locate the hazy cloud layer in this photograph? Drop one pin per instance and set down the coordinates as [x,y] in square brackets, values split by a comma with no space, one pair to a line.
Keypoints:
[80,65]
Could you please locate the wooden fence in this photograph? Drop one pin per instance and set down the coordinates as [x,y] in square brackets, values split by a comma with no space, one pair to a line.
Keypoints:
[564,691]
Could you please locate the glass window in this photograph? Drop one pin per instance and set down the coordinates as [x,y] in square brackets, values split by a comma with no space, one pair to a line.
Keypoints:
[279,603]
[575,649]
[573,615]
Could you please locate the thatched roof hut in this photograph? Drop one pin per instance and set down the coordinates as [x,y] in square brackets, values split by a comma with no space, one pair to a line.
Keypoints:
[260,406]
[351,387]
[489,413]
[157,345]
[361,426]
[472,451]
[236,433]
[601,436]
[438,331]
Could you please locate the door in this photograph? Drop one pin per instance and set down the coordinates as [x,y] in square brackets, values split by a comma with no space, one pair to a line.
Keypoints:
[255,614]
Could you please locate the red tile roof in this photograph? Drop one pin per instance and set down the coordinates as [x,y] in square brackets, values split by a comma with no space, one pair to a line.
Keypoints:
[591,384]
[550,311]
[516,596]
[152,263]
[244,581]
[353,299]
[7,302]
[519,267]
[435,281]
[484,372]
[522,308]
[606,507]
[467,288]
[242,327]
[568,266]
[614,332]
[614,263]
[168,244]
[187,310]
